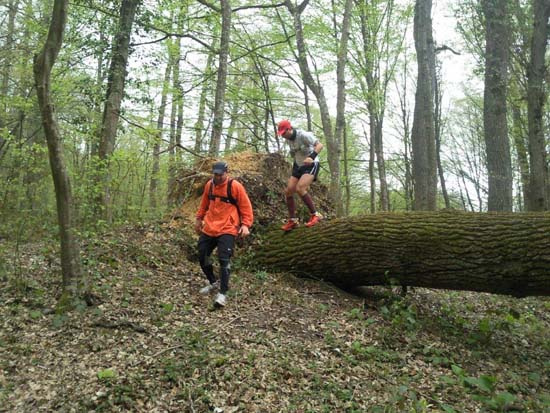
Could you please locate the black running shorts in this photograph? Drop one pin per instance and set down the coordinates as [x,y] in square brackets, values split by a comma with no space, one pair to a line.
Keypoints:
[312,169]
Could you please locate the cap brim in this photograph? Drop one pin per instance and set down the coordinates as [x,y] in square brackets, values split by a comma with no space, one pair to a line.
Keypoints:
[218,171]
[281,132]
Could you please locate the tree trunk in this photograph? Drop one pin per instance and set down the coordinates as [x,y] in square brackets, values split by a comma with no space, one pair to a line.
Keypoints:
[115,93]
[535,104]
[405,122]
[347,181]
[438,99]
[201,113]
[172,153]
[153,185]
[519,140]
[6,70]
[502,253]
[75,283]
[219,101]
[4,84]
[232,126]
[342,58]
[497,145]
[372,180]
[423,130]
[377,67]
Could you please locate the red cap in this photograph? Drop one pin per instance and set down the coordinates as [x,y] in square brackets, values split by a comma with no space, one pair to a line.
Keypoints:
[283,126]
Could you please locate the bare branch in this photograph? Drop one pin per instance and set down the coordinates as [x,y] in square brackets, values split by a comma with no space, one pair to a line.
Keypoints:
[445,47]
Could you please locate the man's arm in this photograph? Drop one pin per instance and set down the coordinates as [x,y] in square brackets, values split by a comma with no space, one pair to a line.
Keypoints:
[245,209]
[317,148]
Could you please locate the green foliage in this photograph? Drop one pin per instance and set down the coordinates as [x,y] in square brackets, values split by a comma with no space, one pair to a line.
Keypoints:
[261,275]
[106,375]
[484,390]
[400,314]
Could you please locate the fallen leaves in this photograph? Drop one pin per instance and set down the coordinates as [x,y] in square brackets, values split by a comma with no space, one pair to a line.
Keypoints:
[281,344]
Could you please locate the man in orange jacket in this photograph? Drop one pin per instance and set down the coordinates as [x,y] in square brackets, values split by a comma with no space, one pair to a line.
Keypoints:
[225,212]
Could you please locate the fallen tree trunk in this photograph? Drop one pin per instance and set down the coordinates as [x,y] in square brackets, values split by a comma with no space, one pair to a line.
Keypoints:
[502,253]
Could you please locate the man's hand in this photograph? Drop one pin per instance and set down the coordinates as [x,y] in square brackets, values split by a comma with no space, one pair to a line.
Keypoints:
[244,231]
[308,160]
[198,226]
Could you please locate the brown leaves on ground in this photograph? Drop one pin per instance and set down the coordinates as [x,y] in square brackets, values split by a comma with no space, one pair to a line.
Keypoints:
[281,345]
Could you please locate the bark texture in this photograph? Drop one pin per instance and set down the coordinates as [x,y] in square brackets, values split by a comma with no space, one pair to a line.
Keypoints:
[74,280]
[536,97]
[219,101]
[424,166]
[499,164]
[502,253]
[115,93]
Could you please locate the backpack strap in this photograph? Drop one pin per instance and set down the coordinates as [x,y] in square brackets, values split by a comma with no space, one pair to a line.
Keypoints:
[229,198]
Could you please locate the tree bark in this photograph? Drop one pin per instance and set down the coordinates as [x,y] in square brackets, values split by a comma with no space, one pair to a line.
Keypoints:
[342,58]
[219,101]
[176,98]
[153,185]
[115,93]
[438,122]
[536,95]
[502,253]
[497,145]
[4,84]
[75,283]
[423,130]
[377,65]
[519,140]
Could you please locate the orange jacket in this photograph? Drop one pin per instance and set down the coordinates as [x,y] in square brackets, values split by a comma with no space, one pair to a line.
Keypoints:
[222,217]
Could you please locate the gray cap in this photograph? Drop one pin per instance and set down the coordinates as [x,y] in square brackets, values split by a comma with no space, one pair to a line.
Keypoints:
[219,168]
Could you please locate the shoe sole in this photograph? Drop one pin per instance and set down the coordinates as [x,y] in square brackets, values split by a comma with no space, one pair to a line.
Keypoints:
[312,225]
[218,305]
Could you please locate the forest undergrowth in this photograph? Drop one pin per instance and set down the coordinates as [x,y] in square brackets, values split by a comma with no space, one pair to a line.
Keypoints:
[283,344]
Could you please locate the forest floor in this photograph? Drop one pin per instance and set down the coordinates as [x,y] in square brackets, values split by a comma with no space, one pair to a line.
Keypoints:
[282,344]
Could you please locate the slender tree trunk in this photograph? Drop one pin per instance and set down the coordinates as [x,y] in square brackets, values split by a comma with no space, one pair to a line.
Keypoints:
[438,98]
[341,85]
[231,128]
[372,168]
[381,164]
[201,113]
[115,93]
[307,108]
[96,116]
[179,126]
[405,121]
[178,99]
[497,145]
[4,84]
[502,253]
[153,185]
[371,20]
[75,283]
[6,72]
[536,96]
[519,139]
[219,101]
[346,175]
[424,166]
[173,118]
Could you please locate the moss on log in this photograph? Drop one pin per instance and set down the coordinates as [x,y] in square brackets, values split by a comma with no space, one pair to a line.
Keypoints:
[502,253]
